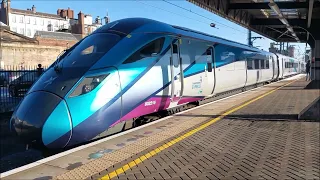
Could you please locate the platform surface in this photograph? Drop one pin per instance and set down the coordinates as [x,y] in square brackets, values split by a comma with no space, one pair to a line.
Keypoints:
[253,135]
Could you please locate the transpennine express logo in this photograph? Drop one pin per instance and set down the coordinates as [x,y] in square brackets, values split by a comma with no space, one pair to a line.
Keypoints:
[49,81]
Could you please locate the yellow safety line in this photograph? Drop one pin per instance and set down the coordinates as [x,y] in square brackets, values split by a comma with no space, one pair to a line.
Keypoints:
[168,144]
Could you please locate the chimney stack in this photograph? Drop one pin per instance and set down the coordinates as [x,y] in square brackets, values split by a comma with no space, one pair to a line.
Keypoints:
[106,19]
[81,23]
[33,9]
[4,12]
[65,13]
[70,13]
[98,20]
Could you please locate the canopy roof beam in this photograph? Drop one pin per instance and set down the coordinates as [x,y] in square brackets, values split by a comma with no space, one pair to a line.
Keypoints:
[281,5]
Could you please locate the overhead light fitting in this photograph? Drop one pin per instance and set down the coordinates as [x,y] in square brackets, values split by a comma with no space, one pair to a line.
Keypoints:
[276,9]
[290,29]
[284,21]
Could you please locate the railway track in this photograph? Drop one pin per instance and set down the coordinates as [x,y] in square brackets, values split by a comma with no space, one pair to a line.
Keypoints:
[14,154]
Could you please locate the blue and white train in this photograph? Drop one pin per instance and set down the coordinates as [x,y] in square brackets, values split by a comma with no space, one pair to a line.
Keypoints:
[133,67]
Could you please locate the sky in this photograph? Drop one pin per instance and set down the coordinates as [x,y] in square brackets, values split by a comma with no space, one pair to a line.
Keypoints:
[191,16]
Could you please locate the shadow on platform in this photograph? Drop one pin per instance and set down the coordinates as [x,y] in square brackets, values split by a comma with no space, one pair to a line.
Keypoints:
[314,84]
[312,111]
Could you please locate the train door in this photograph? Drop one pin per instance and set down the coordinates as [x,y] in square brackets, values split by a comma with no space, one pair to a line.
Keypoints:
[258,71]
[282,68]
[176,72]
[273,68]
[278,67]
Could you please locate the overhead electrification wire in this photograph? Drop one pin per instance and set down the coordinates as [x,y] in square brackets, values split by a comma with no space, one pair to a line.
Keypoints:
[189,10]
[172,12]
[183,15]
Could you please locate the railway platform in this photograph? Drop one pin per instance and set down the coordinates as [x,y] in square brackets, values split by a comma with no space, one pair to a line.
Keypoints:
[264,133]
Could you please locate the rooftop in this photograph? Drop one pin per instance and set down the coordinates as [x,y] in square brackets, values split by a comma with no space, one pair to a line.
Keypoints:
[39,14]
[58,35]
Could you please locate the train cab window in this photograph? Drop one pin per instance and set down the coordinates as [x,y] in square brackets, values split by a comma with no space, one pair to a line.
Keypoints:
[150,50]
[89,50]
[267,64]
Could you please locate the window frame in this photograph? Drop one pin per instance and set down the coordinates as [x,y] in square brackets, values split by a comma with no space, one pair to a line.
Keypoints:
[21,19]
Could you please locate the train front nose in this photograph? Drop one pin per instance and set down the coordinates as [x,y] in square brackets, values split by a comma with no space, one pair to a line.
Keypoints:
[38,118]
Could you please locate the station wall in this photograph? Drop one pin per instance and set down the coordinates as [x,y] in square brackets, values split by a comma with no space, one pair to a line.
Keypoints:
[28,55]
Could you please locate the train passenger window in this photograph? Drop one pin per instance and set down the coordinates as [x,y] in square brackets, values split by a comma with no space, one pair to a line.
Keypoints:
[250,64]
[267,64]
[256,64]
[262,62]
[150,50]
[208,51]
[175,48]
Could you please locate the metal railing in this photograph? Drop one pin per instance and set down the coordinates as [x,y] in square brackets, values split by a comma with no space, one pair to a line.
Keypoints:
[14,83]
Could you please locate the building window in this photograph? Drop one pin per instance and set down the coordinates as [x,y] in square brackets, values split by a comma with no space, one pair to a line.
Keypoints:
[22,31]
[14,18]
[49,22]
[35,21]
[21,19]
[29,32]
[56,24]
[50,28]
[42,22]
[14,29]
[28,20]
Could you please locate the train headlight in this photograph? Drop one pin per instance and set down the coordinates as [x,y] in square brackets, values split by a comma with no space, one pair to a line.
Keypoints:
[88,84]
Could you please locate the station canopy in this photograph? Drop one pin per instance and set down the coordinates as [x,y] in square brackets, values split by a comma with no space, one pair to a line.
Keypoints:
[279,20]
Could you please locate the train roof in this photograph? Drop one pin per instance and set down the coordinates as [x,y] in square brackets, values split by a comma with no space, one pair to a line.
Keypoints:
[138,25]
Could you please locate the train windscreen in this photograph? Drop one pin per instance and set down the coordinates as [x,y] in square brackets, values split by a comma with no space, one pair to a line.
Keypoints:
[89,50]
